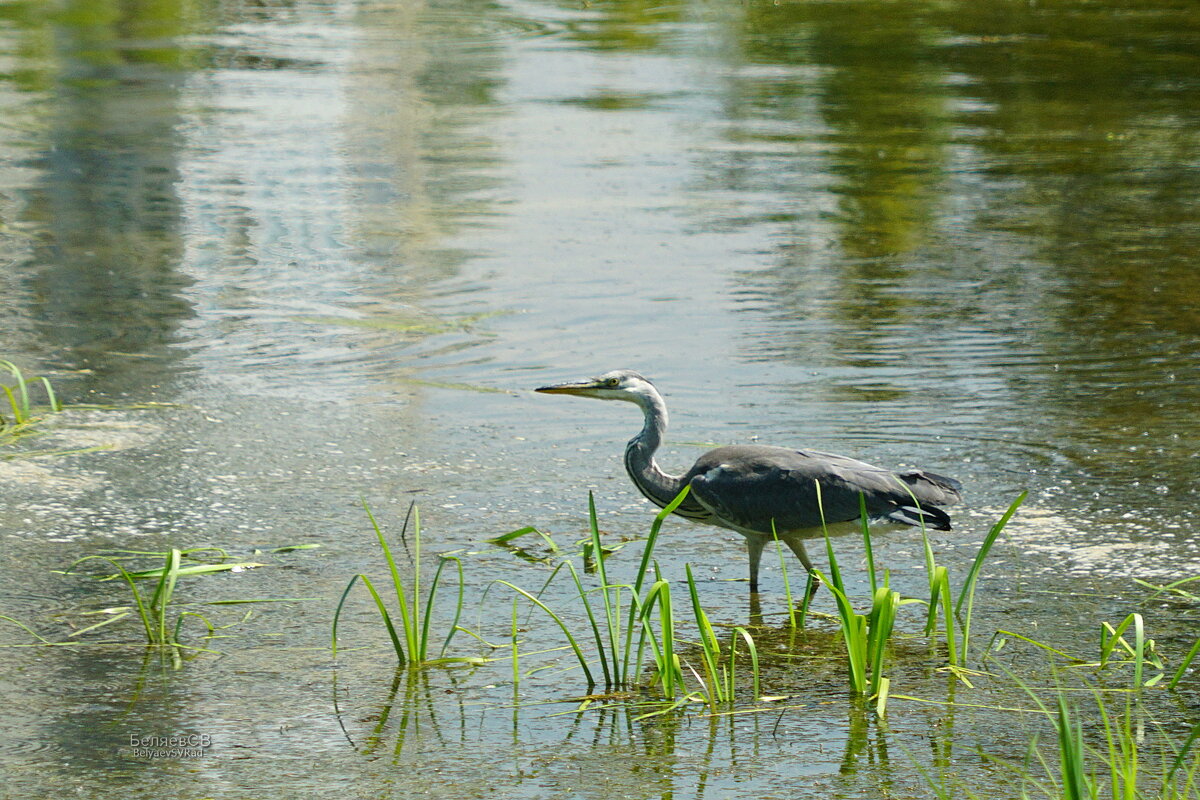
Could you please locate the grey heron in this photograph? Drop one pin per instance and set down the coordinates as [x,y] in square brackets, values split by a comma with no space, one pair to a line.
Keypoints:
[757,490]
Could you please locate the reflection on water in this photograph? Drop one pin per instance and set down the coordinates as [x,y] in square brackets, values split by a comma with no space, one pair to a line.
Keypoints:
[961,235]
[101,271]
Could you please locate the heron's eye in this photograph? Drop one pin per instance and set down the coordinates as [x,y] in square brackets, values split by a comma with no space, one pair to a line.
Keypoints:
[612,383]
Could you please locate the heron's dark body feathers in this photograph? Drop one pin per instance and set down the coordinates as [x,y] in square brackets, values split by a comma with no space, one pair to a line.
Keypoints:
[749,487]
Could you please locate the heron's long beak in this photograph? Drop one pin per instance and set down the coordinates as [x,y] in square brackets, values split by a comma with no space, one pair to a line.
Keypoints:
[574,387]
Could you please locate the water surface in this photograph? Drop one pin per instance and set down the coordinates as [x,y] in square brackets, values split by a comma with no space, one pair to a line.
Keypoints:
[339,242]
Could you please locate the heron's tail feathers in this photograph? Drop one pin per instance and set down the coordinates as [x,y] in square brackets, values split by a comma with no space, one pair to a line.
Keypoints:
[928,516]
[931,488]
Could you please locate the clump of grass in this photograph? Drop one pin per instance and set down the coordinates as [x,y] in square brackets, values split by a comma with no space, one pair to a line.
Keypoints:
[628,624]
[1142,654]
[865,635]
[22,413]
[411,640]
[161,620]
[611,631]
[1117,761]
[719,682]
[19,400]
[960,610]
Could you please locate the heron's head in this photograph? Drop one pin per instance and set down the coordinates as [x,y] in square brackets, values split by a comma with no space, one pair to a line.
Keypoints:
[620,384]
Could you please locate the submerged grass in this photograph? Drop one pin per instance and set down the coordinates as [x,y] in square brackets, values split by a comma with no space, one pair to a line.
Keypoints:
[162,618]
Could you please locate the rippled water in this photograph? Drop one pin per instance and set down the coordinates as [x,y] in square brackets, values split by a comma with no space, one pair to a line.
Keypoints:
[339,241]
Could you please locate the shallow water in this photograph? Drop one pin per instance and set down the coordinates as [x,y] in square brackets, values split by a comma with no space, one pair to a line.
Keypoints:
[338,242]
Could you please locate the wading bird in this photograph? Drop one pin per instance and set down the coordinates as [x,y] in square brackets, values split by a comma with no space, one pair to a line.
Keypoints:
[757,490]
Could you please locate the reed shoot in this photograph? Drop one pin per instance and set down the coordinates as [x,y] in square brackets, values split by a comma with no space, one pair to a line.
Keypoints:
[161,629]
[412,639]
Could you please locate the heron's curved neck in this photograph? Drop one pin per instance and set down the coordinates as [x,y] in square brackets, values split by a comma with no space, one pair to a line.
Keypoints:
[659,487]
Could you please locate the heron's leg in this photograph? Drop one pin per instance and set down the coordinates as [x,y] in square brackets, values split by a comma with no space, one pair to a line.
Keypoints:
[754,548]
[797,546]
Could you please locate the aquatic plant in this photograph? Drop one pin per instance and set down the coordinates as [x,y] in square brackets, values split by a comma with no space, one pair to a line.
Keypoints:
[22,413]
[1120,759]
[1112,757]
[865,635]
[613,638]
[162,624]
[966,595]
[630,623]
[412,649]
[19,400]
[720,680]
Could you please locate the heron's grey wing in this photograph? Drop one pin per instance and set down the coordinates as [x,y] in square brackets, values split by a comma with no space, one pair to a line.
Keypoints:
[927,487]
[753,487]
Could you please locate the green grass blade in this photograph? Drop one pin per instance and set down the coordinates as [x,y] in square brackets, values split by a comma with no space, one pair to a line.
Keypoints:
[98,625]
[745,634]
[1170,588]
[383,613]
[143,613]
[19,417]
[416,643]
[407,619]
[610,612]
[562,626]
[51,397]
[968,589]
[639,581]
[1070,741]
[882,692]
[942,579]
[182,572]
[431,600]
[834,571]
[866,534]
[22,387]
[1182,754]
[709,646]
[1183,665]
[1042,645]
[458,608]
[597,636]
[1139,644]
[516,656]
[164,592]
[1110,637]
[660,595]
[508,538]
[852,629]
[44,640]
[787,585]
[880,623]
